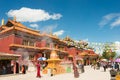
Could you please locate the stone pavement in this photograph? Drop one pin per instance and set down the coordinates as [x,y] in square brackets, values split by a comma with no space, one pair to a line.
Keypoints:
[90,74]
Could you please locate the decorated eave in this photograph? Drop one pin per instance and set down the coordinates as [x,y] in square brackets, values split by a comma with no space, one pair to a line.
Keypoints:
[54,38]
[69,42]
[13,25]
[49,36]
[67,38]
[87,53]
[77,44]
[63,42]
[58,50]
[29,48]
[18,24]
[21,27]
[37,49]
[91,53]
[4,56]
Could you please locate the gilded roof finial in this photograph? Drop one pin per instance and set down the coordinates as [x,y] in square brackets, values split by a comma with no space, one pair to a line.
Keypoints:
[67,37]
[2,22]
[14,18]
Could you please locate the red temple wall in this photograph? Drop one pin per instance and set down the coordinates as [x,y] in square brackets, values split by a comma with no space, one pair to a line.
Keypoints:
[43,43]
[5,42]
[18,40]
[38,44]
[72,51]
[65,48]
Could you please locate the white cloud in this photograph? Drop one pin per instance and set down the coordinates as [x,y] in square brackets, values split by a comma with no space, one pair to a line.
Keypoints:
[34,26]
[58,33]
[112,20]
[32,15]
[116,23]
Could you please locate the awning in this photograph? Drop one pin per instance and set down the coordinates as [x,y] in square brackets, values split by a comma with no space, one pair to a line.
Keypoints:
[4,56]
[83,54]
[38,49]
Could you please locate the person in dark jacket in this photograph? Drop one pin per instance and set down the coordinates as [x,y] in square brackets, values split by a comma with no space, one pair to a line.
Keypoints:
[116,66]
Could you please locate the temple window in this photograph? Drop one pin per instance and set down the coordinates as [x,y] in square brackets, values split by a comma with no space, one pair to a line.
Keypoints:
[31,43]
[28,43]
[48,45]
[55,46]
[25,42]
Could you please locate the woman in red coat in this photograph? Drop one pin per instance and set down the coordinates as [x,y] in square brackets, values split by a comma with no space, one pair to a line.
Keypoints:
[38,70]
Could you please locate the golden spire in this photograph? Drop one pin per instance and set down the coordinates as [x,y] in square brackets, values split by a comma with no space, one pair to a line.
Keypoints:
[67,37]
[2,22]
[14,18]
[54,55]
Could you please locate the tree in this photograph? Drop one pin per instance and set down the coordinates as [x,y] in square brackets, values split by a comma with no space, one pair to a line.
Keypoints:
[108,53]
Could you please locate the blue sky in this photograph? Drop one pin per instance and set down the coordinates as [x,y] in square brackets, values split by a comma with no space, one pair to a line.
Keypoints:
[92,20]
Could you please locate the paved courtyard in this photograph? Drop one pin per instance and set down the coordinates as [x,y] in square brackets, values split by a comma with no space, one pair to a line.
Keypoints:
[90,74]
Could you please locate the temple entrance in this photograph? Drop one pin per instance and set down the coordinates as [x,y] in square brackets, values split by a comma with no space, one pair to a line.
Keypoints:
[17,67]
[5,67]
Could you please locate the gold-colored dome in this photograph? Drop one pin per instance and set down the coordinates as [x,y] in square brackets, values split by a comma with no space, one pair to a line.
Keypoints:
[53,55]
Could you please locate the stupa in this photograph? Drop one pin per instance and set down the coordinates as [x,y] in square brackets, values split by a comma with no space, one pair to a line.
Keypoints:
[54,64]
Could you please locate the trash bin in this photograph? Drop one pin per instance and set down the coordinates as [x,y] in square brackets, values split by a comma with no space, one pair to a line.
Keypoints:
[113,74]
[68,70]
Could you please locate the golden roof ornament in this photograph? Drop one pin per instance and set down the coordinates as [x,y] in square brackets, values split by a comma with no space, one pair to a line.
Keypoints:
[2,22]
[67,37]
[53,55]
[14,19]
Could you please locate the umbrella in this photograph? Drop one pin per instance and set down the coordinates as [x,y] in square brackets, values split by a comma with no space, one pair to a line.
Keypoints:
[41,58]
[117,60]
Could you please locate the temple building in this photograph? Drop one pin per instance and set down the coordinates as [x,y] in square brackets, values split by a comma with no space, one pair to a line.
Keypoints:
[25,45]
[78,51]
